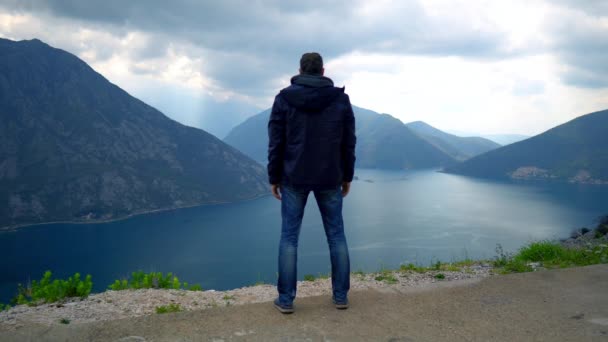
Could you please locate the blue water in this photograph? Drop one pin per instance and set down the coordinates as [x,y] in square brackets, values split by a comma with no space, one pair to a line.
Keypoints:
[391,217]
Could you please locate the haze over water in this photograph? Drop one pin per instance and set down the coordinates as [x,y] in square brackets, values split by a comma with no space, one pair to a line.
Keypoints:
[391,217]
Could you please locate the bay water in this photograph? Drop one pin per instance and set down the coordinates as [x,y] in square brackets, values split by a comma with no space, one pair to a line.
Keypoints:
[391,218]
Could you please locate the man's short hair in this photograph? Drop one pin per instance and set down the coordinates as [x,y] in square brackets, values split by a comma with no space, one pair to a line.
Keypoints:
[311,63]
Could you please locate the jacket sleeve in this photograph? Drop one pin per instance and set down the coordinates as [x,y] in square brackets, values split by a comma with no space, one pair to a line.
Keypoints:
[276,141]
[349,140]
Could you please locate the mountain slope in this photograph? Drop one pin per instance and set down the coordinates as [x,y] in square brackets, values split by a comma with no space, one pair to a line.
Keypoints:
[382,142]
[576,151]
[75,147]
[460,148]
[506,139]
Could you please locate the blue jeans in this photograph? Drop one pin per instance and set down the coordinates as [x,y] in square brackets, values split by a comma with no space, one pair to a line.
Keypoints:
[293,202]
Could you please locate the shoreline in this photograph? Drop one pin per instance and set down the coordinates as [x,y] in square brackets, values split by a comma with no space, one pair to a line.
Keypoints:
[111,305]
[129,303]
[6,229]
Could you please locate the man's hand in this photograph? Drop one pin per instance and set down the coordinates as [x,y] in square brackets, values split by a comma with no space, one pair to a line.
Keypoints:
[345,188]
[274,188]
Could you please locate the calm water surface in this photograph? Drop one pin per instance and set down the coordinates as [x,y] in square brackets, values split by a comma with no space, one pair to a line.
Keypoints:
[391,218]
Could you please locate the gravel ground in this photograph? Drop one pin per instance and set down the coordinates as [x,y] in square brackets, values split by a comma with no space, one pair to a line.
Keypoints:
[111,305]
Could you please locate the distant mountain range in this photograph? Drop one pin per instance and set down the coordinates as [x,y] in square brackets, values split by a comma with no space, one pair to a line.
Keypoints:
[382,142]
[460,148]
[505,139]
[576,151]
[75,147]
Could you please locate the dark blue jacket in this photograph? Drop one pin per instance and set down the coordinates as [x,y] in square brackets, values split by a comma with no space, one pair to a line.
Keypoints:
[311,135]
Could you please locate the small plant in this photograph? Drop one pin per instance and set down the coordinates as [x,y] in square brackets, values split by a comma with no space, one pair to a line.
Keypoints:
[412,267]
[168,308]
[324,276]
[516,266]
[309,277]
[64,321]
[437,265]
[195,287]
[359,273]
[227,297]
[51,290]
[440,276]
[502,258]
[4,306]
[386,276]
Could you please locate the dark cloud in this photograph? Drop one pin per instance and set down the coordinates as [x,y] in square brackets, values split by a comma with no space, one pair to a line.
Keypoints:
[247,44]
[581,42]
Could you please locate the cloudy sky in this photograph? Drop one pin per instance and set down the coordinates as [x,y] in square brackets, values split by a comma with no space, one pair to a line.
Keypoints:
[483,67]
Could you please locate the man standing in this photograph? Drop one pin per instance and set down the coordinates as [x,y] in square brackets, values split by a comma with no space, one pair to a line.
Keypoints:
[311,148]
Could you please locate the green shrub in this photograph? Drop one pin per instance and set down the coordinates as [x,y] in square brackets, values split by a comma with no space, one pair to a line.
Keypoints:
[541,251]
[552,255]
[168,308]
[64,321]
[309,277]
[440,276]
[195,287]
[386,276]
[516,266]
[412,267]
[359,273]
[152,280]
[4,306]
[51,290]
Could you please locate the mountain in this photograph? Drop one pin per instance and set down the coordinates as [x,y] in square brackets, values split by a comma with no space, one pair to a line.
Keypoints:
[251,136]
[382,142]
[576,151]
[75,147]
[506,139]
[460,148]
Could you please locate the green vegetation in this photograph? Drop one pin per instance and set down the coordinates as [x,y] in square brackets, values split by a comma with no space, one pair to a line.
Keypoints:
[227,297]
[413,268]
[309,277]
[550,254]
[386,276]
[168,308]
[4,306]
[64,321]
[52,290]
[312,277]
[440,276]
[456,266]
[152,280]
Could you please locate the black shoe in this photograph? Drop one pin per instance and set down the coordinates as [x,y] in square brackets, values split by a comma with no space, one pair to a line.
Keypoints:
[341,305]
[285,309]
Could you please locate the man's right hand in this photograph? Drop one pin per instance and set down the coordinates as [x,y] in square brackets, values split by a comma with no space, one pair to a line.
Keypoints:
[345,188]
[274,188]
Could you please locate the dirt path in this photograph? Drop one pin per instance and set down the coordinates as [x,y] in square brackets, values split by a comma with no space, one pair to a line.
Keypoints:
[556,305]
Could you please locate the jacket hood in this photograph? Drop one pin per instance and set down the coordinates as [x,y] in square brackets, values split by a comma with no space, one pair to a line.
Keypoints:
[311,92]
